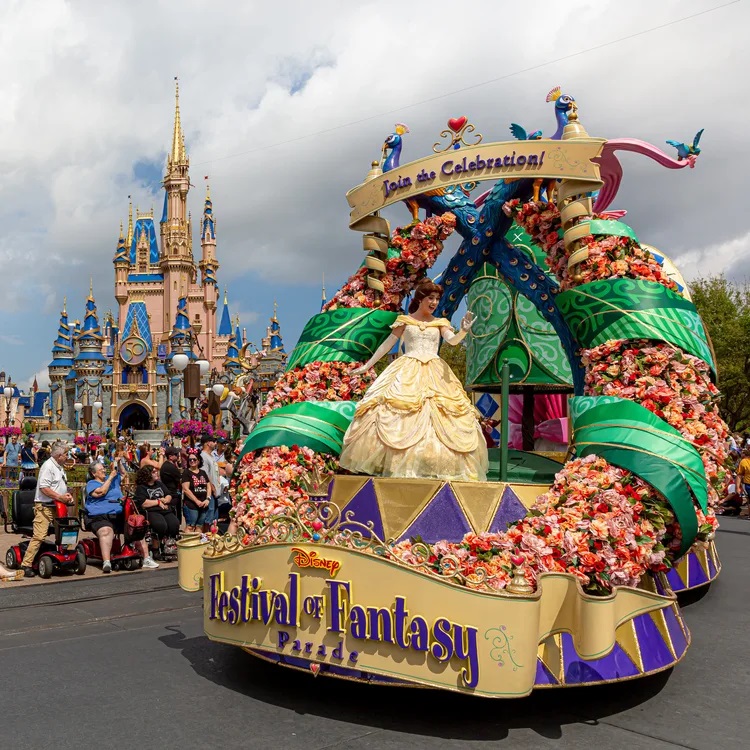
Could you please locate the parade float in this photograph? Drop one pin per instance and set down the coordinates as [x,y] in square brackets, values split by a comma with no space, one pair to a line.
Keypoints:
[552,572]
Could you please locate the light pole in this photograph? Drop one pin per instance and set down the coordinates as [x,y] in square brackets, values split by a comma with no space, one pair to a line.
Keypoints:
[8,394]
[98,406]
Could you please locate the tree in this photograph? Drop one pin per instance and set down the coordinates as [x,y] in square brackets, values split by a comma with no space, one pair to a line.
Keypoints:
[455,356]
[725,308]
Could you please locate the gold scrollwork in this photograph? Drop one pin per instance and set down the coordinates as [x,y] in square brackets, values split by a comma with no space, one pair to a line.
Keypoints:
[322,522]
[456,137]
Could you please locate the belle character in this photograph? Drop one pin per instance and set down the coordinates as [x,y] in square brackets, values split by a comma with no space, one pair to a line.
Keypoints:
[416,419]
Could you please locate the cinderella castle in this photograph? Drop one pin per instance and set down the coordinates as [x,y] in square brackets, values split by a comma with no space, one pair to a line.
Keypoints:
[166,304]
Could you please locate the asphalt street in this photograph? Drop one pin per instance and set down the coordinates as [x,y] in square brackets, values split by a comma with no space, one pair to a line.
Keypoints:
[122,661]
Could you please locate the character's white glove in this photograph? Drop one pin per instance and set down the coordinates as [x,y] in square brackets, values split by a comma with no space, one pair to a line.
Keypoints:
[468,321]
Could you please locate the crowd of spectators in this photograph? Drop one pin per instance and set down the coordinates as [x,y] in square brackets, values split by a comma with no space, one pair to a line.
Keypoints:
[736,501]
[172,484]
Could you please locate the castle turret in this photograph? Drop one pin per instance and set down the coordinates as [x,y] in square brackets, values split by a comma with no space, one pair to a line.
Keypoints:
[179,338]
[274,357]
[122,265]
[208,266]
[89,356]
[60,366]
[277,345]
[176,261]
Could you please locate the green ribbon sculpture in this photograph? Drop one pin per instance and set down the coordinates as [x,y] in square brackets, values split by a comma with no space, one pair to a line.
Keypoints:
[318,425]
[614,309]
[349,334]
[630,436]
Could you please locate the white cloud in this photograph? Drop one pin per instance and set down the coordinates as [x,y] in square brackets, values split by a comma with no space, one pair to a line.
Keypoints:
[91,95]
[731,257]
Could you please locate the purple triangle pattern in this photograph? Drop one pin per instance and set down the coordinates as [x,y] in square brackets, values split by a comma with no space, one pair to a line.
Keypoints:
[364,506]
[679,642]
[675,581]
[654,652]
[442,518]
[543,675]
[712,571]
[658,585]
[696,574]
[510,509]
[616,664]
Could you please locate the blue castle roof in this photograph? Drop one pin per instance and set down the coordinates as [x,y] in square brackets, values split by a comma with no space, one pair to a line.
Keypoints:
[136,321]
[179,337]
[90,337]
[277,345]
[225,327]
[145,224]
[63,344]
[38,406]
[121,252]
[208,224]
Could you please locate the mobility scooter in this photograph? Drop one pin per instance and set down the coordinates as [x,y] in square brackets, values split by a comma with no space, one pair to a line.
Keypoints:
[124,552]
[62,554]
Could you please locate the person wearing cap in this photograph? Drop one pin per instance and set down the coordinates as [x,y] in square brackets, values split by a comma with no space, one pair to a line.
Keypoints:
[210,466]
[219,448]
[170,473]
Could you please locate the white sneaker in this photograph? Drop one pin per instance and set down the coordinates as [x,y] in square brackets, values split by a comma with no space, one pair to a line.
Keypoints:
[150,563]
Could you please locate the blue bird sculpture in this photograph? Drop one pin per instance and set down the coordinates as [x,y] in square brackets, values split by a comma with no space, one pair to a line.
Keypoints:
[520,133]
[684,150]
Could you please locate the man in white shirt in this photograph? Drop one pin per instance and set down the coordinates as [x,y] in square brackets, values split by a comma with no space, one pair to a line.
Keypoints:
[51,485]
[210,466]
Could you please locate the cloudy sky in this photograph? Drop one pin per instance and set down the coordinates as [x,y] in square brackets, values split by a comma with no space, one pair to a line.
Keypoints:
[284,106]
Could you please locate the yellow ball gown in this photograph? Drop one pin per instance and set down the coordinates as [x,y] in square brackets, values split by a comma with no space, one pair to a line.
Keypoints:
[416,419]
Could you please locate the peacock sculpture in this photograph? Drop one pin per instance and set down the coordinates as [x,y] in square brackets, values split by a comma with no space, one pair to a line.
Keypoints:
[564,103]
[453,197]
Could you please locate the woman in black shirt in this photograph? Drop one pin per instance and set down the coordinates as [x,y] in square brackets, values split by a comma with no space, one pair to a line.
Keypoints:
[153,499]
[194,492]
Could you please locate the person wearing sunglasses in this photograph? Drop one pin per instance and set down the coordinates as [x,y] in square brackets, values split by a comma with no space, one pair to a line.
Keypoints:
[195,489]
[155,502]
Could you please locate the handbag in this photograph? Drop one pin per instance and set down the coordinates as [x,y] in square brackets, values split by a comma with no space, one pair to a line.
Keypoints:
[135,527]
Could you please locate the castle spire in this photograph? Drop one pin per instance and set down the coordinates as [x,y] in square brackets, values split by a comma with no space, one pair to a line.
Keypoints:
[179,338]
[90,337]
[177,154]
[274,333]
[129,239]
[62,349]
[225,326]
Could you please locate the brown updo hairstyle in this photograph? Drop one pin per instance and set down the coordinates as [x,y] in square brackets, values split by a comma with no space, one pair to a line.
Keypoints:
[424,289]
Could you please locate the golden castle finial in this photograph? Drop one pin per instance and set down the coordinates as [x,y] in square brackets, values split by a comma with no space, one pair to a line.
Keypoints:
[225,296]
[129,239]
[65,306]
[121,237]
[324,287]
[91,287]
[275,309]
[177,154]
[208,188]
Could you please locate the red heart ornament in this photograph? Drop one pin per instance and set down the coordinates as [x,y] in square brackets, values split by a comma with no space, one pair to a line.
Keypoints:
[456,123]
[317,525]
[314,668]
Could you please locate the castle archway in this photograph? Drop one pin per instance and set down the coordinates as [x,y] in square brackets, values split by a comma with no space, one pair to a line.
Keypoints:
[134,417]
